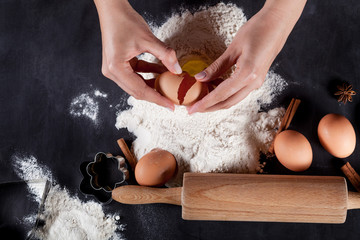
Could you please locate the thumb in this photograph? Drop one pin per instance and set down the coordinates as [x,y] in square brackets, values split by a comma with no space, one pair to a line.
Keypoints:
[216,69]
[166,55]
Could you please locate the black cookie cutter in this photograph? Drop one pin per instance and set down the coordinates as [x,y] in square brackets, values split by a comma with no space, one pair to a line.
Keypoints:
[103,175]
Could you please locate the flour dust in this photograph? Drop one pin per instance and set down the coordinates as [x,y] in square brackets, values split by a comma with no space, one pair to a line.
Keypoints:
[86,105]
[65,216]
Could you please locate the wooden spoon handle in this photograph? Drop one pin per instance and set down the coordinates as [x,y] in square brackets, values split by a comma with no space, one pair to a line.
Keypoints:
[132,194]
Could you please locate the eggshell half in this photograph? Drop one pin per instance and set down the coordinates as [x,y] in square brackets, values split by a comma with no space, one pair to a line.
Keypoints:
[337,135]
[155,168]
[167,84]
[293,150]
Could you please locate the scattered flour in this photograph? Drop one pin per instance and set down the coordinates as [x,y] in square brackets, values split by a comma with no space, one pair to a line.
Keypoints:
[223,141]
[100,94]
[27,168]
[87,105]
[65,216]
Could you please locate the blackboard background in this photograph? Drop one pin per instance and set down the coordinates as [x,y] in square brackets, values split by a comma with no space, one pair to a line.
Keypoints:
[50,52]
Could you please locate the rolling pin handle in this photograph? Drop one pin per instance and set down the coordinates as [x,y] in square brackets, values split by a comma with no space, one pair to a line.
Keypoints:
[132,194]
[353,200]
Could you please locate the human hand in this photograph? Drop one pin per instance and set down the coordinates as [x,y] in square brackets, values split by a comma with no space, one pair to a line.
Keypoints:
[253,50]
[125,35]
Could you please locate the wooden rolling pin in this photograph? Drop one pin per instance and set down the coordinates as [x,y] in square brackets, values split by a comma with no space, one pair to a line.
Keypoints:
[251,197]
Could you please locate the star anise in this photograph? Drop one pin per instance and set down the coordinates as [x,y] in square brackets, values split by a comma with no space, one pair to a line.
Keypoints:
[345,93]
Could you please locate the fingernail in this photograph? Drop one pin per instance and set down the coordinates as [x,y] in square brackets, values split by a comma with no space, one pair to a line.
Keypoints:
[200,75]
[177,68]
[190,110]
[171,107]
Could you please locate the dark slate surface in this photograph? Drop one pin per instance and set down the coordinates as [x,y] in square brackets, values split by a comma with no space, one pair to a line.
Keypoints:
[50,52]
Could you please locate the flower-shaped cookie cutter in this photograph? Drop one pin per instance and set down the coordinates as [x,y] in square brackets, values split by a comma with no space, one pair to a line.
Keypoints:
[101,195]
[107,172]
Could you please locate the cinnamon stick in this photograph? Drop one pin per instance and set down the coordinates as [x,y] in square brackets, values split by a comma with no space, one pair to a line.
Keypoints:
[292,112]
[352,175]
[286,116]
[128,155]
[286,120]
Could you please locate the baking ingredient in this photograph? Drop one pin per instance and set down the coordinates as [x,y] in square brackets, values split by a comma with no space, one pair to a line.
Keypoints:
[98,93]
[65,216]
[127,153]
[293,150]
[87,105]
[203,35]
[345,93]
[182,89]
[28,169]
[194,66]
[228,140]
[155,168]
[337,135]
[84,105]
[287,118]
[351,175]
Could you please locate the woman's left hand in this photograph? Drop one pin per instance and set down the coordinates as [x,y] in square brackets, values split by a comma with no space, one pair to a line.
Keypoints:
[253,50]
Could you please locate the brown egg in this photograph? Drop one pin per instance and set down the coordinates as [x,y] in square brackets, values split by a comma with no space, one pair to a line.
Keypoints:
[293,150]
[337,135]
[155,168]
[181,89]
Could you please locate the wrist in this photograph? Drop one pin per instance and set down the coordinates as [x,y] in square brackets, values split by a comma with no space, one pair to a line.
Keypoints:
[111,1]
[104,6]
[284,19]
[288,11]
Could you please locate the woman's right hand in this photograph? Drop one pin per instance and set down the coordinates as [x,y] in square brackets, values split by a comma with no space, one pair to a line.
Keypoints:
[125,35]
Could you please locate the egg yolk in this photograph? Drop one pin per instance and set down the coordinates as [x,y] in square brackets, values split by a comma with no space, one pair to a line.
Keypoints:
[193,67]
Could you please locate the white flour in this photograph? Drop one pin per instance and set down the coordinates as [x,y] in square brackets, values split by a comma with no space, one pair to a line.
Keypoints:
[224,141]
[206,33]
[87,105]
[100,94]
[65,216]
[27,168]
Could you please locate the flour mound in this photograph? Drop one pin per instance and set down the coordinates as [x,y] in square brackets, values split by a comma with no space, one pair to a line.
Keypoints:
[69,218]
[64,216]
[223,141]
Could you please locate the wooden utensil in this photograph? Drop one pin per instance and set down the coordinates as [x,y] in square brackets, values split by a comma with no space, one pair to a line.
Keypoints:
[251,197]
